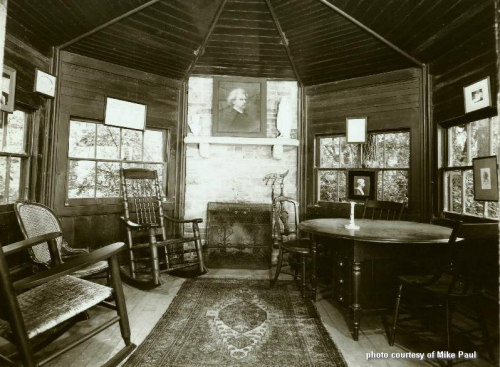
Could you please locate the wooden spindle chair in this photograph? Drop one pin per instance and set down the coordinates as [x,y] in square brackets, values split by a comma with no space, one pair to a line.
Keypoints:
[385,210]
[143,215]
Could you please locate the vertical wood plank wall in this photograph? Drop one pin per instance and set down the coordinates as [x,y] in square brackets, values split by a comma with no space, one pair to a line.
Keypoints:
[24,59]
[391,101]
[85,83]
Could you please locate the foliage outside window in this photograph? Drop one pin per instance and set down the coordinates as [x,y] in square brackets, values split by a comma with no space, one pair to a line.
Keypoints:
[389,153]
[14,158]
[97,152]
[465,142]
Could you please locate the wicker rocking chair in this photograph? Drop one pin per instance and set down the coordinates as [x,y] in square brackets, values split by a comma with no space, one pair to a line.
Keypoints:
[35,306]
[35,220]
[145,221]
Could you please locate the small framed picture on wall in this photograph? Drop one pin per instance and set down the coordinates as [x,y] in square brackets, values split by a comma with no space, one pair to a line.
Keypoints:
[8,89]
[485,171]
[477,95]
[362,184]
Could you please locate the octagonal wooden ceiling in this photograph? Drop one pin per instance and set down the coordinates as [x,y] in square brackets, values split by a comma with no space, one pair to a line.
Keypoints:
[313,41]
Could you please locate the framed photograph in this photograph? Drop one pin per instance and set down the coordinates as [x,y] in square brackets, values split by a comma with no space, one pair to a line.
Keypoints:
[239,107]
[355,128]
[8,89]
[485,178]
[362,184]
[45,83]
[125,114]
[477,95]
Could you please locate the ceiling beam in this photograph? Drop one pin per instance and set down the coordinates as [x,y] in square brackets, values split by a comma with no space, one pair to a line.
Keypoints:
[107,24]
[372,32]
[284,40]
[201,49]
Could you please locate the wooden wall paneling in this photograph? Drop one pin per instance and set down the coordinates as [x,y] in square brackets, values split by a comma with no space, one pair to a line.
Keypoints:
[396,106]
[85,83]
[24,59]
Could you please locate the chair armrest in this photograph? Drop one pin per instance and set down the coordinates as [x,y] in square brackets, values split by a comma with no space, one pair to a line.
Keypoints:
[133,225]
[67,251]
[70,266]
[194,220]
[18,246]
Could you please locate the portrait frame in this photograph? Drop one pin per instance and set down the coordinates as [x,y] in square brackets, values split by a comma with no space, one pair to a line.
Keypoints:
[8,89]
[45,83]
[355,128]
[370,181]
[123,113]
[227,121]
[477,95]
[485,177]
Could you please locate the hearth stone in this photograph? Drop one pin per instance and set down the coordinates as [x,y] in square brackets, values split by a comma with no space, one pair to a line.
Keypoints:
[238,236]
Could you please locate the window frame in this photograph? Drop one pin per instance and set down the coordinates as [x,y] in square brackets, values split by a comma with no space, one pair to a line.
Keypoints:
[25,158]
[71,202]
[448,168]
[317,168]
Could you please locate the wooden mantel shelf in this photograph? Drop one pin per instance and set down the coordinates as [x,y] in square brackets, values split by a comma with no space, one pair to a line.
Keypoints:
[205,141]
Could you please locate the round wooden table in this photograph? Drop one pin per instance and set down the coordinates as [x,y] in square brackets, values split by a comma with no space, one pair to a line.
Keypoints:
[366,242]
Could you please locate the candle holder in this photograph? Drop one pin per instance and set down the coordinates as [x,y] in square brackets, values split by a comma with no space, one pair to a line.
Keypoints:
[351,224]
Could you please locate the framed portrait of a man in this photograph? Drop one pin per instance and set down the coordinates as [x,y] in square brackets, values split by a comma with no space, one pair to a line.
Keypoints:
[239,107]
[362,184]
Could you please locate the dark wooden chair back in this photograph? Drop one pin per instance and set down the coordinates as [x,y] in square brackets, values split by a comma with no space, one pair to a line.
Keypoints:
[475,258]
[286,215]
[142,196]
[386,210]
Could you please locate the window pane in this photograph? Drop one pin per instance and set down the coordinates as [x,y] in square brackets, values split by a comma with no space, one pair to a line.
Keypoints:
[458,146]
[81,179]
[454,185]
[3,174]
[82,139]
[108,179]
[471,206]
[332,185]
[153,146]
[397,150]
[373,151]
[329,153]
[108,142]
[350,154]
[15,179]
[156,167]
[480,138]
[393,186]
[15,129]
[493,209]
[494,125]
[131,145]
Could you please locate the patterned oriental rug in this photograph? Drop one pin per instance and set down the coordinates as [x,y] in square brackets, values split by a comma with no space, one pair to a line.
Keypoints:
[232,323]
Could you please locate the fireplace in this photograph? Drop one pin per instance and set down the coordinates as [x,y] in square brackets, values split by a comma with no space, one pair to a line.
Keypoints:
[238,235]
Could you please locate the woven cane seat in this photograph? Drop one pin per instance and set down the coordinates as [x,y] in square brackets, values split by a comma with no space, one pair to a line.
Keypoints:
[54,302]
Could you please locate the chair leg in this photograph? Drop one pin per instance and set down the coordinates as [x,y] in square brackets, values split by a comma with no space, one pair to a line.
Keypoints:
[131,254]
[278,268]
[395,318]
[119,299]
[303,275]
[155,266]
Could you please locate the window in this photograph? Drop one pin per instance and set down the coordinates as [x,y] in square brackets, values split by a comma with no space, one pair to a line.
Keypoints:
[97,152]
[388,153]
[14,157]
[465,142]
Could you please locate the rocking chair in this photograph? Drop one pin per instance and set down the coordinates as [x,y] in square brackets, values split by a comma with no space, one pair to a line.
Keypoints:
[144,218]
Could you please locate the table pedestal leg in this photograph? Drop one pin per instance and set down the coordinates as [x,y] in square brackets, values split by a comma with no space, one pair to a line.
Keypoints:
[314,281]
[356,307]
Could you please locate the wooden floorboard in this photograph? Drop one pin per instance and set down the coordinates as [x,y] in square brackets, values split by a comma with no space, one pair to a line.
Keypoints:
[146,307]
